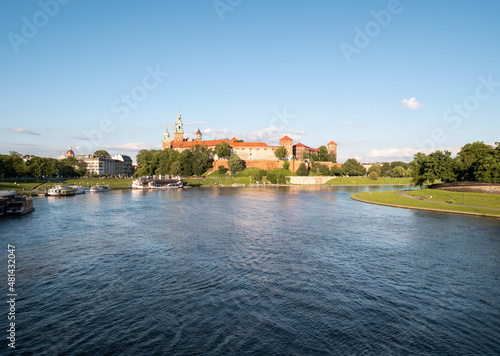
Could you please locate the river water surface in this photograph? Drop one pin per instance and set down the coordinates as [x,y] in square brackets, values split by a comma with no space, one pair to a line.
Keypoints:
[290,271]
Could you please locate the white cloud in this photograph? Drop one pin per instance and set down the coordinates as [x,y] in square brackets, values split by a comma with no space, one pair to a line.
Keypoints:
[24,131]
[411,104]
[215,134]
[131,146]
[271,135]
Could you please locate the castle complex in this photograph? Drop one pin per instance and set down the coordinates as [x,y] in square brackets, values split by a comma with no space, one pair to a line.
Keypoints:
[254,154]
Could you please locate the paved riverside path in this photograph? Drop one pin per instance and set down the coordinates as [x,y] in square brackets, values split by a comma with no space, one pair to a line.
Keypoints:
[403,194]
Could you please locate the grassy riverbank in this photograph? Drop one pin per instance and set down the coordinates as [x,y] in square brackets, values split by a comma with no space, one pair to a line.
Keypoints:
[436,200]
[368,181]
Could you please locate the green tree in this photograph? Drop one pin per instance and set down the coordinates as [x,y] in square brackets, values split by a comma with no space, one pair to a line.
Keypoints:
[332,157]
[235,164]
[353,168]
[385,170]
[271,177]
[436,166]
[186,161]
[302,171]
[373,175]
[336,171]
[102,153]
[280,152]
[375,169]
[323,170]
[323,154]
[175,168]
[468,158]
[400,163]
[286,165]
[399,172]
[222,170]
[222,150]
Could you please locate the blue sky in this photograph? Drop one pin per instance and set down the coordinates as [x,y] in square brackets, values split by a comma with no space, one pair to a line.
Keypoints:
[383,79]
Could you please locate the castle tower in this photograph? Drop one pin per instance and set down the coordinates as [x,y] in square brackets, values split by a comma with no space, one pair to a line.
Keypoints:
[198,135]
[332,147]
[166,141]
[287,142]
[179,129]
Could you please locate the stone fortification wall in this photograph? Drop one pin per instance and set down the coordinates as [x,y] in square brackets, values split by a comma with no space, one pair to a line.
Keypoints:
[261,164]
[309,180]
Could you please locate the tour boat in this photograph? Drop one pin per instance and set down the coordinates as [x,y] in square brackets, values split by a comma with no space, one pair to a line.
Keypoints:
[5,198]
[20,205]
[79,189]
[61,190]
[100,188]
[148,183]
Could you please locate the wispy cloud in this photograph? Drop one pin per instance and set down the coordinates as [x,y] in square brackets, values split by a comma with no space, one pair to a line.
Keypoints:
[215,134]
[272,135]
[23,130]
[351,124]
[411,104]
[131,146]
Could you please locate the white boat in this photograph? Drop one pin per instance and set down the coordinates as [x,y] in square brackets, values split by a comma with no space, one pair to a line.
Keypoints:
[148,183]
[61,190]
[100,188]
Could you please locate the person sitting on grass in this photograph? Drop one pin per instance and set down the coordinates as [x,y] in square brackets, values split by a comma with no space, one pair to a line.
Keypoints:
[451,201]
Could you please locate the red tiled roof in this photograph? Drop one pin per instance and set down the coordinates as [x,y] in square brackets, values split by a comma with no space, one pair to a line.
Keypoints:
[300,145]
[314,149]
[286,138]
[233,139]
[331,143]
[248,144]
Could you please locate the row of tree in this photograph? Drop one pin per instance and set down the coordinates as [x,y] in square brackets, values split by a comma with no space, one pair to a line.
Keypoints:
[475,162]
[12,165]
[195,161]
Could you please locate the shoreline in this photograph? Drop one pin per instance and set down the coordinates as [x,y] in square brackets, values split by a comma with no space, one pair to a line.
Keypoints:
[355,196]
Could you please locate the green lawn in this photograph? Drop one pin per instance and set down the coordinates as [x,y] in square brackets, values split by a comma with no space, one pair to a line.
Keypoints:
[20,184]
[393,198]
[365,181]
[113,183]
[459,198]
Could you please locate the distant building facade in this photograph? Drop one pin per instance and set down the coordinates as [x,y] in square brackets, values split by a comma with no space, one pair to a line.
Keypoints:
[119,165]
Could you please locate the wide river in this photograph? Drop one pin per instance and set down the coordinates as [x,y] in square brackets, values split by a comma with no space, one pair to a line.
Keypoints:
[268,271]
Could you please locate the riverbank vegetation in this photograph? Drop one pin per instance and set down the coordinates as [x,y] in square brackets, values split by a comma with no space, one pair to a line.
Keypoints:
[474,203]
[475,162]
[368,181]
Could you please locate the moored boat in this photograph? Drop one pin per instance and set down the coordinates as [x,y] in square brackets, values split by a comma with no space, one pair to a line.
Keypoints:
[61,190]
[151,183]
[5,198]
[20,205]
[79,189]
[100,188]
